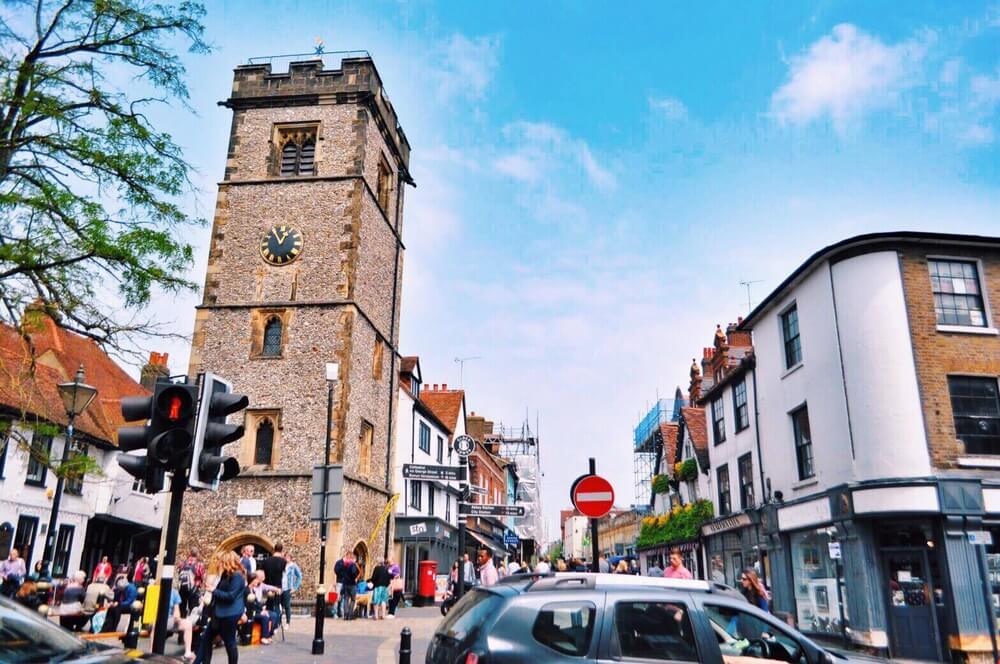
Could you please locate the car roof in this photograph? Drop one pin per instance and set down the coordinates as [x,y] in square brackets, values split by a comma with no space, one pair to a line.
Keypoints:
[599,581]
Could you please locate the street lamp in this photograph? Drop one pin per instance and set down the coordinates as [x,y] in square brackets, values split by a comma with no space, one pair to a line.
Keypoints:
[76,397]
[318,645]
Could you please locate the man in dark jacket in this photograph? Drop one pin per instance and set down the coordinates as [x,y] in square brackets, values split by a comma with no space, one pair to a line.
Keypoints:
[347,572]
[274,569]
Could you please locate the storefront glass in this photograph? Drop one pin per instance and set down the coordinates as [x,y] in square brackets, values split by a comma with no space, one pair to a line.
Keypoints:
[815,578]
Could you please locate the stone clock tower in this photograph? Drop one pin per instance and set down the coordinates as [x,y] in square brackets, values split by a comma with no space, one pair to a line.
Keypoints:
[304,269]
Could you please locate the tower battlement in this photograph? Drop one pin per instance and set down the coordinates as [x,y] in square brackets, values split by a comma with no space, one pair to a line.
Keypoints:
[307,83]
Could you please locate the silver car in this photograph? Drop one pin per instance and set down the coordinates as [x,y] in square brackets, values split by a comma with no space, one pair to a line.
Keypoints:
[615,618]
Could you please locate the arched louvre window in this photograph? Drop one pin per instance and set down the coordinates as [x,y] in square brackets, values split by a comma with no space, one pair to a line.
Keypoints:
[307,158]
[289,158]
[264,443]
[272,338]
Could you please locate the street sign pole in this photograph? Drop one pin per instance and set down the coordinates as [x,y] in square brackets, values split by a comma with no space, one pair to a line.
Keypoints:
[178,483]
[463,462]
[594,548]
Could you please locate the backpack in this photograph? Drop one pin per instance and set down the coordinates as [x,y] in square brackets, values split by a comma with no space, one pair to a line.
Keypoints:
[186,579]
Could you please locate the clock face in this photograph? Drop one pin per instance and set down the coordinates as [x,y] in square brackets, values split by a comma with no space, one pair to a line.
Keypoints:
[281,245]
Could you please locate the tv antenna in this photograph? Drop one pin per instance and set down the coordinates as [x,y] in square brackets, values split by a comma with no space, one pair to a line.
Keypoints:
[460,361]
[747,283]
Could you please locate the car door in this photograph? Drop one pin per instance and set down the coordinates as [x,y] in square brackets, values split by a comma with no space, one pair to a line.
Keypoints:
[743,634]
[546,627]
[653,628]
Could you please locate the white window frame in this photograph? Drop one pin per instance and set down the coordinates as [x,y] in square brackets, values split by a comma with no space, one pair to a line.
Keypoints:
[786,370]
[981,275]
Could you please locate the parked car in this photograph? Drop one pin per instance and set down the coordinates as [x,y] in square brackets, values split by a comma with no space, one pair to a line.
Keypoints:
[26,636]
[615,618]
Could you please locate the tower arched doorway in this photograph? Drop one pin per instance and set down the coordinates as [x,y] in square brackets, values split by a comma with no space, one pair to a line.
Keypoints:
[262,546]
[361,557]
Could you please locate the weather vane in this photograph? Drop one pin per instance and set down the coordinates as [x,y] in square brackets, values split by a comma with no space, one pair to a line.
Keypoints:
[319,46]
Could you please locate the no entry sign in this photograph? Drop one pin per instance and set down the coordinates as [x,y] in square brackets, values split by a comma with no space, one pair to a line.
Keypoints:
[593,496]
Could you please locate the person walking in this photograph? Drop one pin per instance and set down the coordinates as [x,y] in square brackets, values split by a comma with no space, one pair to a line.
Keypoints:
[380,580]
[753,589]
[469,573]
[543,566]
[488,575]
[227,600]
[190,581]
[291,581]
[348,573]
[274,573]
[676,570]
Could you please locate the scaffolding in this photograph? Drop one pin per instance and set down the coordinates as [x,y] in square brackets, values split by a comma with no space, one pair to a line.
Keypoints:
[648,447]
[519,444]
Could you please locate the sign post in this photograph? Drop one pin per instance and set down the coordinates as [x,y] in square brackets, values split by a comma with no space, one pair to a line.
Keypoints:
[593,496]
[464,446]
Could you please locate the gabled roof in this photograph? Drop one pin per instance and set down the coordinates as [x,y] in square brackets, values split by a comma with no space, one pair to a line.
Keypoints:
[697,431]
[445,404]
[58,353]
[667,431]
[410,364]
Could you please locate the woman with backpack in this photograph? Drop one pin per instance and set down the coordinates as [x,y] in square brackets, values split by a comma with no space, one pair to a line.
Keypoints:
[227,602]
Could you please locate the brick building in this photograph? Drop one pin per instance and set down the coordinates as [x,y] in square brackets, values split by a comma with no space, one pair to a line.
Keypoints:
[304,269]
[877,364]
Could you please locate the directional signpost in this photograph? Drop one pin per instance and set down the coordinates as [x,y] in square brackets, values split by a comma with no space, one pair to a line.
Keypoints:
[479,509]
[419,471]
[477,490]
[464,446]
[511,539]
[592,496]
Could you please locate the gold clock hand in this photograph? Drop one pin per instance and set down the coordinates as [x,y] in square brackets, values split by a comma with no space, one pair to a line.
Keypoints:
[274,232]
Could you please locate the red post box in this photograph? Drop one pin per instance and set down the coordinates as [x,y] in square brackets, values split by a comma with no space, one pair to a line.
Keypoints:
[426,583]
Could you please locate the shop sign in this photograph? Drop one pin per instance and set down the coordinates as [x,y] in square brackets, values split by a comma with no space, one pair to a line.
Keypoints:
[729,523]
[834,548]
[418,528]
[980,537]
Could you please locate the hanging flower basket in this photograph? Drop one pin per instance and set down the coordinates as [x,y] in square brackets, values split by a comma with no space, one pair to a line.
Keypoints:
[681,523]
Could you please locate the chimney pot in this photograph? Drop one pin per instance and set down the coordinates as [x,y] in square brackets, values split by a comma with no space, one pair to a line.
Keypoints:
[444,386]
[434,387]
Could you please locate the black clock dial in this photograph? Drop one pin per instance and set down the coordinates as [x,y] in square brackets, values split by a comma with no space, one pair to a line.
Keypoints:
[281,245]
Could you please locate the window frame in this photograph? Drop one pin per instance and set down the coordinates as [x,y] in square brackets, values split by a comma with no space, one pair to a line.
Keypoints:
[416,494]
[785,340]
[383,184]
[745,479]
[984,296]
[299,135]
[424,442]
[366,441]
[65,552]
[615,646]
[725,497]
[430,498]
[738,407]
[800,446]
[256,441]
[440,449]
[28,479]
[269,323]
[955,417]
[718,421]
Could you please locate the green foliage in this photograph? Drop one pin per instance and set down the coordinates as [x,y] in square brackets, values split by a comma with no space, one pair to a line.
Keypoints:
[89,189]
[682,523]
[661,484]
[686,470]
[556,550]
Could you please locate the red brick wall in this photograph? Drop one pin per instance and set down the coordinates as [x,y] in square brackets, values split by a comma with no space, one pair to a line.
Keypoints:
[938,354]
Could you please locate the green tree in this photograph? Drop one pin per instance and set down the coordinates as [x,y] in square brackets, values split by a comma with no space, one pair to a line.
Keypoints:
[90,221]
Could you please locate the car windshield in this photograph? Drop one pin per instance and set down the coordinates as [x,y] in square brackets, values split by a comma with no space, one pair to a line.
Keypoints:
[25,636]
[468,614]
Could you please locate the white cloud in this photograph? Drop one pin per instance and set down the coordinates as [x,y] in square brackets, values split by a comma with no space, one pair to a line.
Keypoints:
[986,89]
[466,66]
[846,74]
[976,134]
[673,109]
[543,148]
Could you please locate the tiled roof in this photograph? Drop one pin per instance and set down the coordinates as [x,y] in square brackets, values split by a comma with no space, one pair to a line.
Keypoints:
[445,404]
[668,438]
[408,364]
[58,353]
[694,420]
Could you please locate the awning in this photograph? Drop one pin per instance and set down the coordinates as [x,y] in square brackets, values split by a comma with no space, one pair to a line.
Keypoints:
[489,544]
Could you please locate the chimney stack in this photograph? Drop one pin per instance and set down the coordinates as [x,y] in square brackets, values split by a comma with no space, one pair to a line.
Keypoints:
[155,368]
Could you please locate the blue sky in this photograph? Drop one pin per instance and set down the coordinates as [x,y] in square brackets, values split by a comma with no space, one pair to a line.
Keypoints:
[594,181]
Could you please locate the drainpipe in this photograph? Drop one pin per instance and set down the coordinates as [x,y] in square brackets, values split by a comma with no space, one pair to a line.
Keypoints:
[756,432]
[392,362]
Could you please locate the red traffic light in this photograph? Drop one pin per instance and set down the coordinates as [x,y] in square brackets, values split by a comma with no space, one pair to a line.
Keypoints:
[175,403]
[174,409]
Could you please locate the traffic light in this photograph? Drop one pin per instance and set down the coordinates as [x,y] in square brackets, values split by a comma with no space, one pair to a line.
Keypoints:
[208,465]
[166,438]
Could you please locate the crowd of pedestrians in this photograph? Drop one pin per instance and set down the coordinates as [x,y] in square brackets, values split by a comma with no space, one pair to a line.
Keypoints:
[378,596]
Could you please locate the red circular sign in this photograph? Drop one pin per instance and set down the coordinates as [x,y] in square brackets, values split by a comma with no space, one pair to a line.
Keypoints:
[593,496]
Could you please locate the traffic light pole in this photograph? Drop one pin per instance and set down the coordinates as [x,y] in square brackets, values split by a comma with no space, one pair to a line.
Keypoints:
[177,485]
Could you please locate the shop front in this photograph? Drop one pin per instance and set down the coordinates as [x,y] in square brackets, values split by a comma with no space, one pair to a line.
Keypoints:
[732,544]
[424,538]
[660,555]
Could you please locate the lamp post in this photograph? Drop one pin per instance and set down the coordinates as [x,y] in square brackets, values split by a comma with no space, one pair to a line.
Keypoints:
[318,644]
[76,396]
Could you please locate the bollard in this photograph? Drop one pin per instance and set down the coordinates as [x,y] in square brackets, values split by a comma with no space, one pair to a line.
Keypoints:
[131,638]
[404,646]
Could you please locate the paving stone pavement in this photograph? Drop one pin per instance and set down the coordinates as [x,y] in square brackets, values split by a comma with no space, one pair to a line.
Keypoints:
[348,642]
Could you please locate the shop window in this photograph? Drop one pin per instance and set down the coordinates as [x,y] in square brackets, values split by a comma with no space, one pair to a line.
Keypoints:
[64,544]
[365,452]
[790,337]
[718,421]
[725,502]
[38,459]
[416,494]
[742,634]
[746,481]
[803,443]
[814,577]
[654,630]
[975,405]
[566,627]
[741,411]
[958,298]
[24,537]
[425,438]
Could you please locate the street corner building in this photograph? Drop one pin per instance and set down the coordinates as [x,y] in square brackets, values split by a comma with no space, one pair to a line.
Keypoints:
[304,270]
